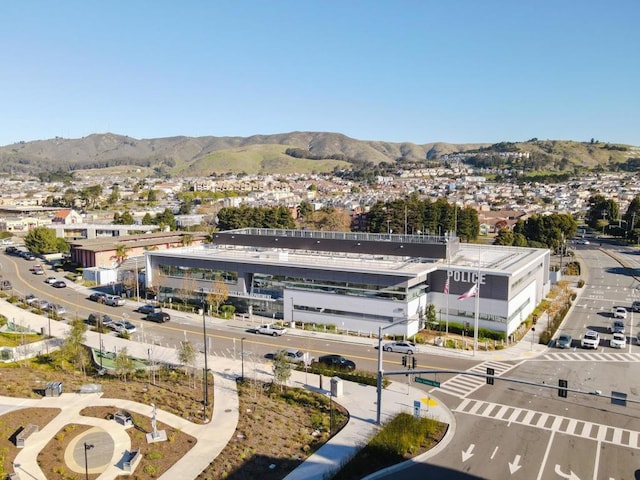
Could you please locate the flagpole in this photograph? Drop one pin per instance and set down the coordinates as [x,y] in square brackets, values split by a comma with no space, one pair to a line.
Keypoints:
[477,313]
[446,321]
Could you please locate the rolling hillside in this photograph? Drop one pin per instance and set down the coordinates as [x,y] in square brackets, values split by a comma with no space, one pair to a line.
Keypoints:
[188,156]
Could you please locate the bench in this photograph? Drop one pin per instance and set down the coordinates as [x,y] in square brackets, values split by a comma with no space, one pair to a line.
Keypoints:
[24,434]
[132,461]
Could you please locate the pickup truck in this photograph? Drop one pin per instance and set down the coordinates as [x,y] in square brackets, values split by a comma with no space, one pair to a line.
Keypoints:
[273,330]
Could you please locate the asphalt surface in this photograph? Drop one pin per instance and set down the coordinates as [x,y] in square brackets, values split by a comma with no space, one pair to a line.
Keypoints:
[359,400]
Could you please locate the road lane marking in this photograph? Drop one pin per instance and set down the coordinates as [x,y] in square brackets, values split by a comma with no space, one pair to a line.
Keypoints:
[495,450]
[570,475]
[515,465]
[543,463]
[551,422]
[466,455]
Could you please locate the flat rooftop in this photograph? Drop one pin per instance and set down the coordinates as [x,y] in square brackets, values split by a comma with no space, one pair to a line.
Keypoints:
[498,260]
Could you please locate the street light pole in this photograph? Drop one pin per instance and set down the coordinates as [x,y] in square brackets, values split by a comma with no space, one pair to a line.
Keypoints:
[49,318]
[330,414]
[87,446]
[206,367]
[100,340]
[242,358]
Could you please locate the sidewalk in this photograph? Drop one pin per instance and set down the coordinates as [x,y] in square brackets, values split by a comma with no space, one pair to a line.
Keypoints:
[359,400]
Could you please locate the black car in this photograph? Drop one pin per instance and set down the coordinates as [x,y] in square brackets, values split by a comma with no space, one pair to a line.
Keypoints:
[59,284]
[97,297]
[337,361]
[148,308]
[158,317]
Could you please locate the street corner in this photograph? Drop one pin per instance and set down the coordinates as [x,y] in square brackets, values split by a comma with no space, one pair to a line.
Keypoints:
[429,401]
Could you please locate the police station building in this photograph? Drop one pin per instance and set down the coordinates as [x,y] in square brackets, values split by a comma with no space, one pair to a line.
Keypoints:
[357,281]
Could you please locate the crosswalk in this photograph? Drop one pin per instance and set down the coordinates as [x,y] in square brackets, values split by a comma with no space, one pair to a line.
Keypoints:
[462,385]
[591,357]
[546,421]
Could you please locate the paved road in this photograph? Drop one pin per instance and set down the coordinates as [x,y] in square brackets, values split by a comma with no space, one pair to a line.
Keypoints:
[513,430]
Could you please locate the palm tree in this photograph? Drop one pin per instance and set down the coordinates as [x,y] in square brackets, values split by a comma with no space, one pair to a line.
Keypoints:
[187,240]
[211,234]
[122,252]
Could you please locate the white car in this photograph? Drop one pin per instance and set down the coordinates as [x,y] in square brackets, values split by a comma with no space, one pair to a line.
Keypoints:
[400,347]
[50,280]
[620,312]
[583,242]
[590,339]
[618,340]
[273,330]
[123,326]
[114,300]
[295,356]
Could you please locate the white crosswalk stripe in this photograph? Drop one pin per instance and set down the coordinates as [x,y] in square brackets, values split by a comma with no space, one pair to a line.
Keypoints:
[591,357]
[462,385]
[557,423]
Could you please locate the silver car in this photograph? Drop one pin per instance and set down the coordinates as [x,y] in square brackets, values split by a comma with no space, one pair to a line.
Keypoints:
[400,347]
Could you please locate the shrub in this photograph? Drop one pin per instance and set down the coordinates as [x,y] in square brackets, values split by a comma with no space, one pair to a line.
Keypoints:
[154,455]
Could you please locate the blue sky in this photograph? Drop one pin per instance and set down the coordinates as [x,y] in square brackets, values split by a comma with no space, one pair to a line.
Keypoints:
[417,71]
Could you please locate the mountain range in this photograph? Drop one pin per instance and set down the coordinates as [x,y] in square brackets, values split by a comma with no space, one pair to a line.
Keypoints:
[301,152]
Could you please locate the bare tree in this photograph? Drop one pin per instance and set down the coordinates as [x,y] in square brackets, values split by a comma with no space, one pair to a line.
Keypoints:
[73,350]
[187,357]
[281,368]
[124,364]
[187,288]
[219,293]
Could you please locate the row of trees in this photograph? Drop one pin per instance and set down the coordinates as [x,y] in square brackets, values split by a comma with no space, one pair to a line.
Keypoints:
[604,214]
[539,231]
[231,218]
[412,215]
[43,240]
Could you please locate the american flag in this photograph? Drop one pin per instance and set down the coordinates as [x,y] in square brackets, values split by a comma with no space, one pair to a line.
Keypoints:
[472,292]
[446,286]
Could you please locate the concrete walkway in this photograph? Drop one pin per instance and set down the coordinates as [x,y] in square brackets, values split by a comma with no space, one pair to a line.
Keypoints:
[212,437]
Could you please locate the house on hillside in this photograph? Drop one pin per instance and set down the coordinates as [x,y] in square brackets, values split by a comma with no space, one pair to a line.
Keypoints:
[492,221]
[67,216]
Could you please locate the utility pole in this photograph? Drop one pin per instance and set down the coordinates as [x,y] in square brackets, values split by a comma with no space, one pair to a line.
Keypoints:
[206,367]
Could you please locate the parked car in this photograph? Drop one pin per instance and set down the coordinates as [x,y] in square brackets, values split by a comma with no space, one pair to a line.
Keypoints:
[97,318]
[59,284]
[123,326]
[113,300]
[635,306]
[149,308]
[56,309]
[97,297]
[400,347]
[619,312]
[564,341]
[270,329]
[590,339]
[30,298]
[39,304]
[28,256]
[616,326]
[158,317]
[618,340]
[295,356]
[337,361]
